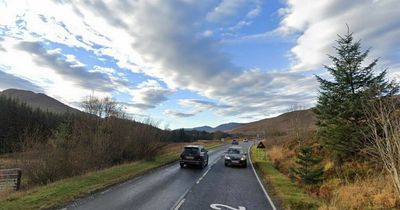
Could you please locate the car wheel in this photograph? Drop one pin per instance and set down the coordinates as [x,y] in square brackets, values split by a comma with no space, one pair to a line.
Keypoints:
[207,162]
[245,165]
[202,164]
[226,164]
[182,165]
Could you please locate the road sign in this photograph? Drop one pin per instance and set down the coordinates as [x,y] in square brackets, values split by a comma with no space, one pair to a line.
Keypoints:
[260,145]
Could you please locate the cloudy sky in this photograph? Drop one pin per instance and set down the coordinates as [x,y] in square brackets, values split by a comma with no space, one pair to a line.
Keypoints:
[188,63]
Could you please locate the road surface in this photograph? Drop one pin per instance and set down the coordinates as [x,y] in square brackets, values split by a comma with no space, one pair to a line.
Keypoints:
[172,188]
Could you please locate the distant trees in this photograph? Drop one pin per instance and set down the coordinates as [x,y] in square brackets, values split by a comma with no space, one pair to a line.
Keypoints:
[18,120]
[54,146]
[102,107]
[340,114]
[182,135]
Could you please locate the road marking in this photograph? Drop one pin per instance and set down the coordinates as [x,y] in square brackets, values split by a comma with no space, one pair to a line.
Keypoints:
[182,197]
[205,173]
[105,191]
[179,204]
[218,207]
[259,181]
[209,168]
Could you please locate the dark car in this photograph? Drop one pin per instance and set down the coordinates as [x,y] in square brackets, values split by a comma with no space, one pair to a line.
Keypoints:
[235,142]
[236,156]
[194,155]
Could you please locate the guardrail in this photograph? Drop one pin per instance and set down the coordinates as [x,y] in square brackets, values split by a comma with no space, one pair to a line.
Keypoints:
[10,179]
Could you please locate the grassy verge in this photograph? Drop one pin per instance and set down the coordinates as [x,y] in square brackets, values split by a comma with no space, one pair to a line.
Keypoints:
[287,192]
[64,191]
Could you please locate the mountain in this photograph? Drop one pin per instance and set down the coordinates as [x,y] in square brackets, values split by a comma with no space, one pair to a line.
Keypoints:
[38,100]
[224,127]
[303,119]
[227,126]
[202,128]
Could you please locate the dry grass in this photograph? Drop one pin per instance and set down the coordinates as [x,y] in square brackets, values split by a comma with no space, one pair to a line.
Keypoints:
[282,158]
[288,193]
[7,162]
[371,193]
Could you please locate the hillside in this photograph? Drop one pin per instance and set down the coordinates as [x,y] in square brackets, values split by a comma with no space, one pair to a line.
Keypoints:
[202,128]
[281,123]
[38,100]
[223,127]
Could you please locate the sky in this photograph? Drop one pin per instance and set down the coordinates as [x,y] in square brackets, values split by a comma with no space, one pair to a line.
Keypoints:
[188,63]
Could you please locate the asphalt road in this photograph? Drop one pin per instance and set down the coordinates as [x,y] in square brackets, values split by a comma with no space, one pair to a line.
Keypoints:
[170,187]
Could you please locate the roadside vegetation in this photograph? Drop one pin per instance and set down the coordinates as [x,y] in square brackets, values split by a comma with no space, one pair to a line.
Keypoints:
[350,159]
[51,147]
[290,195]
[61,192]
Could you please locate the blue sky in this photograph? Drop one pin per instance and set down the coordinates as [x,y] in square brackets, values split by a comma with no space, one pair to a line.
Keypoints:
[187,63]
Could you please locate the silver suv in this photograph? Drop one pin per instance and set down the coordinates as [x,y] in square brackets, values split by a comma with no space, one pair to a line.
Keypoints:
[236,156]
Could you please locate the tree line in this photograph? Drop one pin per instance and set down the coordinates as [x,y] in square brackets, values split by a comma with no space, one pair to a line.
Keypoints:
[54,146]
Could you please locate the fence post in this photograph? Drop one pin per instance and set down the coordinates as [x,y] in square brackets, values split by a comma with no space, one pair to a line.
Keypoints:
[18,185]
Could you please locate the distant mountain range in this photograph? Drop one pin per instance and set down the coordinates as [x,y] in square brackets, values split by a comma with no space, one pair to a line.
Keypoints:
[38,100]
[305,118]
[224,127]
[302,119]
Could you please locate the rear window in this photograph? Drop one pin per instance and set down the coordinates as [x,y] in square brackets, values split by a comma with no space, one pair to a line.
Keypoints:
[191,150]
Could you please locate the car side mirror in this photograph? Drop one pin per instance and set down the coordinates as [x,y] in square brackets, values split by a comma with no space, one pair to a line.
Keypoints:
[245,153]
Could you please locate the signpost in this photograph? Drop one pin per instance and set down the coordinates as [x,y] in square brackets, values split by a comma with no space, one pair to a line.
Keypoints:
[260,145]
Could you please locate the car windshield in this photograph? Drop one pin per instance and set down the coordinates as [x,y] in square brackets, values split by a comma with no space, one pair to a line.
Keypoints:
[233,151]
[191,150]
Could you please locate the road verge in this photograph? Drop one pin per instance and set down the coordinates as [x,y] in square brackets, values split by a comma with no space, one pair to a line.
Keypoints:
[289,195]
[64,191]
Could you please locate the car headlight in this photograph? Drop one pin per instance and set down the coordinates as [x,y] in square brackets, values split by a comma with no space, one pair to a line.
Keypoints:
[227,157]
[243,158]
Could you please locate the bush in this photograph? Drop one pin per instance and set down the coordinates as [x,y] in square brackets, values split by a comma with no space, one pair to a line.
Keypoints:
[87,143]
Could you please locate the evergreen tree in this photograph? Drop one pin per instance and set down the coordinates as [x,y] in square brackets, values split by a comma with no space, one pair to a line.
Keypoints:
[340,105]
[309,169]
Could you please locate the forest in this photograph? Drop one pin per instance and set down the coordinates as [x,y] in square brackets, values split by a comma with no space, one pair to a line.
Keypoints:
[50,146]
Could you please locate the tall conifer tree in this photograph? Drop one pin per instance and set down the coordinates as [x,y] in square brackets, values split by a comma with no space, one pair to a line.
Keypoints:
[340,104]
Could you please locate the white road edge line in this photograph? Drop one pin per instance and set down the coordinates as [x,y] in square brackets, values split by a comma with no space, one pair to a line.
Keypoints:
[259,181]
[179,204]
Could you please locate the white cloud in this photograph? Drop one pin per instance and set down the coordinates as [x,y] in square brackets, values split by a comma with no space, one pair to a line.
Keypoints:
[55,74]
[174,113]
[157,39]
[207,33]
[375,22]
[255,12]
[10,81]
[239,25]
[225,10]
[153,38]
[148,94]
